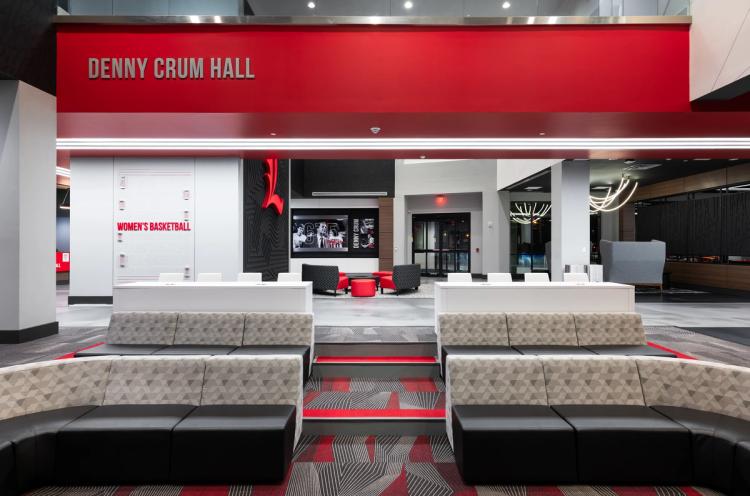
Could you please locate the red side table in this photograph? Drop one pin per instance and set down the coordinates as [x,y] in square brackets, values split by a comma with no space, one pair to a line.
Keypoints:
[363,287]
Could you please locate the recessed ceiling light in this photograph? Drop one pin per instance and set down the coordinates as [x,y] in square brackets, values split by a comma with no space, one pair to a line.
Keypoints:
[701,159]
[506,5]
[542,134]
[423,157]
[310,5]
[733,159]
[273,134]
[408,4]
[532,188]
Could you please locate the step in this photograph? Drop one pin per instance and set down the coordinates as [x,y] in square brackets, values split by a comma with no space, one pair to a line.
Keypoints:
[374,405]
[374,422]
[428,348]
[375,366]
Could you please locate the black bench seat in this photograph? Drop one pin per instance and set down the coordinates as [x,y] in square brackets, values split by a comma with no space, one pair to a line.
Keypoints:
[630,350]
[513,444]
[239,443]
[655,449]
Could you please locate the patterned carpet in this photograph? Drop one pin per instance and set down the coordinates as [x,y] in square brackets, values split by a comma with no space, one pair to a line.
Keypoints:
[346,393]
[372,466]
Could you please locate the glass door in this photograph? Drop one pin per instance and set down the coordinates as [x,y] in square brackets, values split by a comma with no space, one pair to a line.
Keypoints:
[441,243]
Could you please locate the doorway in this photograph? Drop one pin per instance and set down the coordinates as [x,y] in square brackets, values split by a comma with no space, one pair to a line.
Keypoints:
[441,243]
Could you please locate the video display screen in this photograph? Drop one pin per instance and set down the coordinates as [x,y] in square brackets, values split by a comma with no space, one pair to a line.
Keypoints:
[320,233]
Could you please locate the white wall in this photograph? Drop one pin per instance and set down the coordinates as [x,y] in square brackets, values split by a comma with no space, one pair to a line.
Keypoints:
[217,219]
[344,264]
[27,206]
[455,176]
[719,44]
[510,171]
[218,216]
[91,226]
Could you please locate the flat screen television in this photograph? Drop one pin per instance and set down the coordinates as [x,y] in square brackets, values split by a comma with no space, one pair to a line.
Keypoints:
[320,233]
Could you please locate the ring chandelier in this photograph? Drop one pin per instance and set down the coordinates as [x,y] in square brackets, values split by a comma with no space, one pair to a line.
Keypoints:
[604,203]
[529,214]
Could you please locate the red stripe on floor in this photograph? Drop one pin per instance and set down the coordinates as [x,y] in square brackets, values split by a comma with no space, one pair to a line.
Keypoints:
[669,350]
[375,359]
[419,385]
[393,403]
[313,413]
[73,354]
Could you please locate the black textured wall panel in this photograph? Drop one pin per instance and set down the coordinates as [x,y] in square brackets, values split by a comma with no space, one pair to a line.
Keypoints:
[265,234]
[27,42]
[737,224]
[705,227]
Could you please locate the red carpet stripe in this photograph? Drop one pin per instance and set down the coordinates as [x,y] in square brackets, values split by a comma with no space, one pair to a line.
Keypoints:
[375,359]
[669,350]
[73,354]
[316,413]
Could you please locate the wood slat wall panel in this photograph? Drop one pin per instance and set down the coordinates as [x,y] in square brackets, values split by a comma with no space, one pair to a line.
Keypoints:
[385,234]
[697,182]
[711,275]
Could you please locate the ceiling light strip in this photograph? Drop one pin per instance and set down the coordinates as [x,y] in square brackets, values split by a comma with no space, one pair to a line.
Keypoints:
[416,144]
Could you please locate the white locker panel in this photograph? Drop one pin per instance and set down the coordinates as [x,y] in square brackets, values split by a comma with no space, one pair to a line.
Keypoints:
[154,213]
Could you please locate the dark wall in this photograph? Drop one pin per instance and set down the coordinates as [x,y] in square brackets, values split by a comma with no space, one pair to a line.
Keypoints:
[265,235]
[693,227]
[27,42]
[343,175]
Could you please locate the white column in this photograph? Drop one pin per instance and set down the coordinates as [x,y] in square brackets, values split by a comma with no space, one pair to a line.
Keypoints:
[491,231]
[570,216]
[27,212]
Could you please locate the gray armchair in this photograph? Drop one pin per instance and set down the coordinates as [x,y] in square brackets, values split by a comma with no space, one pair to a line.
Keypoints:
[634,262]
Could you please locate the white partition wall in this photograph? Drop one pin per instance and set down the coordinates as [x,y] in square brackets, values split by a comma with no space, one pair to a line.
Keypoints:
[133,218]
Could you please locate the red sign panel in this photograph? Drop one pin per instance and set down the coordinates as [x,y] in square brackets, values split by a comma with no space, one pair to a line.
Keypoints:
[62,261]
[281,69]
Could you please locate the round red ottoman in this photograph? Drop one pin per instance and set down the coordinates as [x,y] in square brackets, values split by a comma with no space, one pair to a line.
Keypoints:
[363,287]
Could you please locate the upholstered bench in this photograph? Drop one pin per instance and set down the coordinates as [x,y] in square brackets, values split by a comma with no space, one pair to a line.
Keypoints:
[207,333]
[543,334]
[633,420]
[117,420]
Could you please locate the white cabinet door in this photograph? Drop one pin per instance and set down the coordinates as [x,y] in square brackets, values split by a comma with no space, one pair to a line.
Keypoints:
[153,218]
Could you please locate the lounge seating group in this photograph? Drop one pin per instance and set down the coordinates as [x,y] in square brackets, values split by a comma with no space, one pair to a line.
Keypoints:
[207,333]
[149,420]
[542,333]
[599,420]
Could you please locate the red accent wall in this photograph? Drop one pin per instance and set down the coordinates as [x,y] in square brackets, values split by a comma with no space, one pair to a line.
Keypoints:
[635,68]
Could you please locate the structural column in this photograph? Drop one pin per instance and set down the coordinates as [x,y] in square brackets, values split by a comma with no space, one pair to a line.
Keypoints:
[27,212]
[570,217]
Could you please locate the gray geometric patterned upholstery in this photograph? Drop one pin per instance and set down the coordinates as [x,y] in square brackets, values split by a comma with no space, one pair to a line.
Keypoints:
[473,329]
[142,328]
[609,328]
[548,329]
[278,328]
[711,387]
[37,387]
[213,328]
[586,380]
[264,380]
[496,380]
[155,381]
